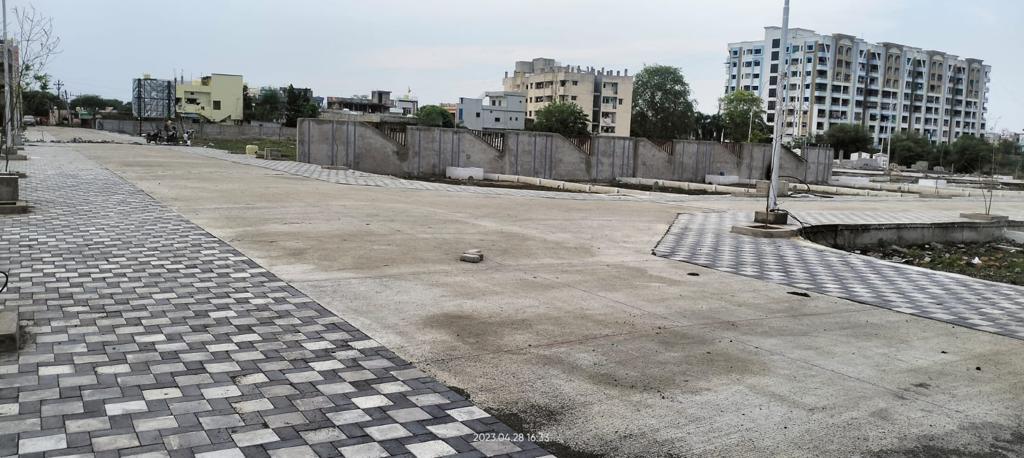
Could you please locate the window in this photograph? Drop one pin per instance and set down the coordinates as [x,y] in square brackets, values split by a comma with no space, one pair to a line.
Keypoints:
[497,119]
[775,43]
[216,104]
[775,55]
[478,114]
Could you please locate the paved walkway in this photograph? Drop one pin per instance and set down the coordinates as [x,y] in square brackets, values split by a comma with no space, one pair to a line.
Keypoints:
[704,239]
[147,335]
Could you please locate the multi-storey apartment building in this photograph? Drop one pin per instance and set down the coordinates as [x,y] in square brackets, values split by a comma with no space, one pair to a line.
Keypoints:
[842,79]
[605,95]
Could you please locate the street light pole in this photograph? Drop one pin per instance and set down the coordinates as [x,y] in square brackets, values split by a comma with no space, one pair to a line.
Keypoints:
[773,189]
[750,126]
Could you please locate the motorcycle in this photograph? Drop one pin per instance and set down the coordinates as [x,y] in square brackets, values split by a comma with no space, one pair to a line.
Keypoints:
[156,136]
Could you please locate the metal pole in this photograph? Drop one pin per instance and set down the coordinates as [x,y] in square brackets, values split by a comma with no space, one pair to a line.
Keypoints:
[773,189]
[750,126]
[7,85]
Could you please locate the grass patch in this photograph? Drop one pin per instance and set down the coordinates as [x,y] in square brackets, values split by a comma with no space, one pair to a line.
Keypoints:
[996,261]
[237,146]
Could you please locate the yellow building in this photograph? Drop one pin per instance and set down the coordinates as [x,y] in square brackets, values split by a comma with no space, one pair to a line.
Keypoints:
[216,98]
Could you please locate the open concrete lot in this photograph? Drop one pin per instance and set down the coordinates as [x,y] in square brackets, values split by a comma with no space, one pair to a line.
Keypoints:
[571,327]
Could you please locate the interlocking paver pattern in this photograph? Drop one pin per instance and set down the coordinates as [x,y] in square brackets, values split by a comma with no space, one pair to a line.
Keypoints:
[704,239]
[147,334]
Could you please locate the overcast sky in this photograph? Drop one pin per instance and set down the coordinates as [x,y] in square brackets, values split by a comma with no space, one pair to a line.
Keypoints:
[447,49]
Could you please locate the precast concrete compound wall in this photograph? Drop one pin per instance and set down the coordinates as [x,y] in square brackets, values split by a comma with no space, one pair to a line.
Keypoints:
[427,151]
[203,130]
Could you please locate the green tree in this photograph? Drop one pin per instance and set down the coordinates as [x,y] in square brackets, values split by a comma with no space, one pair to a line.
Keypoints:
[298,104]
[709,126]
[38,103]
[662,107]
[847,139]
[908,147]
[269,106]
[743,117]
[564,118]
[969,154]
[93,103]
[434,116]
[248,104]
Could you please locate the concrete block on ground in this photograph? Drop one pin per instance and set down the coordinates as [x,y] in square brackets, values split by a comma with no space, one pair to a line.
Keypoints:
[767,217]
[471,258]
[464,173]
[604,190]
[721,179]
[850,181]
[9,335]
[550,183]
[931,182]
[252,150]
[13,157]
[8,188]
[13,207]
[569,186]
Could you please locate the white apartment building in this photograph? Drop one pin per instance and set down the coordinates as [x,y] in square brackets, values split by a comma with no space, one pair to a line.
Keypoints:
[606,96]
[496,110]
[842,79]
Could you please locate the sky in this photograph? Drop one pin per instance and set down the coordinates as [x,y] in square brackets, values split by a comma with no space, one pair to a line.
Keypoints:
[446,49]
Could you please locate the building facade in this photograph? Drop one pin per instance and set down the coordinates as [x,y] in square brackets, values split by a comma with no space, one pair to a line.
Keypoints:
[842,79]
[502,110]
[606,96]
[215,98]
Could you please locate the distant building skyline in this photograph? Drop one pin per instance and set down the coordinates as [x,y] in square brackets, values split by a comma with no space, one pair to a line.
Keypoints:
[841,79]
[444,65]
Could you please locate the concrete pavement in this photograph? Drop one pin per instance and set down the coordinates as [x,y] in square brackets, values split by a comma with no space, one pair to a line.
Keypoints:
[572,327]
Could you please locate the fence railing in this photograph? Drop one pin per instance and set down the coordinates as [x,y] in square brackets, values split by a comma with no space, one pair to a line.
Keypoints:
[396,132]
[495,139]
[665,145]
[582,142]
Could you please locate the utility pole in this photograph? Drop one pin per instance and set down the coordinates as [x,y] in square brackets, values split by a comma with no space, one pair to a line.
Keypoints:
[773,189]
[59,85]
[750,126]
[8,135]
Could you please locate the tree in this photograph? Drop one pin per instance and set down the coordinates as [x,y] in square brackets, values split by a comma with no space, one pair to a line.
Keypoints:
[37,44]
[969,153]
[847,139]
[564,118]
[909,147]
[269,106]
[248,104]
[434,116]
[93,103]
[743,117]
[298,104]
[662,107]
[38,103]
[709,126]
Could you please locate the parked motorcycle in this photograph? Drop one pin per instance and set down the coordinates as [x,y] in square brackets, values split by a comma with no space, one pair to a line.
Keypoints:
[155,136]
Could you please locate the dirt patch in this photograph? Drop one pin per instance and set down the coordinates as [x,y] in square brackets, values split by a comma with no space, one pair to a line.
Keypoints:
[1000,261]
